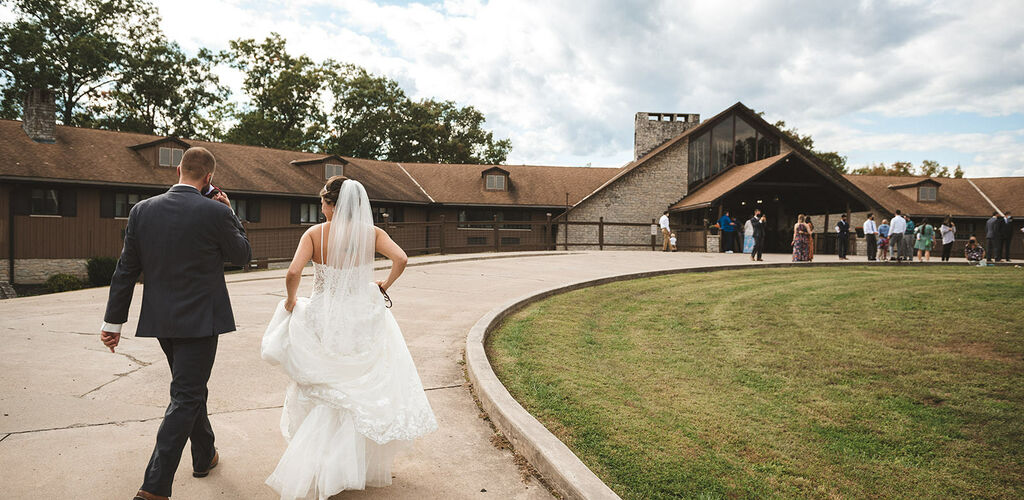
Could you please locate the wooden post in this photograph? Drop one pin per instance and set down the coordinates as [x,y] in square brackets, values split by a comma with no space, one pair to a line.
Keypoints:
[547,232]
[566,232]
[497,238]
[443,233]
[600,233]
[654,239]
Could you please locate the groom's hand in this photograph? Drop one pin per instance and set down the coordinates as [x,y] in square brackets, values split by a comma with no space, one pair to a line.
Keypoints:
[110,339]
[223,198]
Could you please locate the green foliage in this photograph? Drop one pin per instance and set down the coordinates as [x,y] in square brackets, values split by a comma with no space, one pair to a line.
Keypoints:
[101,269]
[77,48]
[928,168]
[63,283]
[832,158]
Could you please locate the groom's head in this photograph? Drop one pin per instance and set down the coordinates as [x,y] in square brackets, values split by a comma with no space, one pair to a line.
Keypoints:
[197,165]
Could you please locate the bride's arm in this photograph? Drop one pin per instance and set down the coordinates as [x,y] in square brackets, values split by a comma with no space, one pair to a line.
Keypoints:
[303,254]
[388,248]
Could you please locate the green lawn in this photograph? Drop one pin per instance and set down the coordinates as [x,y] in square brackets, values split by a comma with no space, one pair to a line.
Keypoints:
[848,382]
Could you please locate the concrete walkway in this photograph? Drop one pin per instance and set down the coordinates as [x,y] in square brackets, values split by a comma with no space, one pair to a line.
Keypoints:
[79,422]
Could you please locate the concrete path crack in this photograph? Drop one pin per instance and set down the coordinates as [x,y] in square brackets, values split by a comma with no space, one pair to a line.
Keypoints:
[130,421]
[119,376]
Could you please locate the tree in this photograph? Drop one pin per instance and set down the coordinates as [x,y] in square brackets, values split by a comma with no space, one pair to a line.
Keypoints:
[442,132]
[77,48]
[164,92]
[285,105]
[928,168]
[367,113]
[832,158]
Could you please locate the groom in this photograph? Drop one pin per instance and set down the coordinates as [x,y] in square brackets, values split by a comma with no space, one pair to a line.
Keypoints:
[179,242]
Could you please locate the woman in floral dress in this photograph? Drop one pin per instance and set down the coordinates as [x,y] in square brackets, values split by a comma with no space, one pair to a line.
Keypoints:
[925,241]
[801,241]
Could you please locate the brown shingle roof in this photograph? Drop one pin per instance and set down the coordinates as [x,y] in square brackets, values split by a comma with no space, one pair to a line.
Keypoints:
[725,183]
[528,185]
[955,196]
[1006,192]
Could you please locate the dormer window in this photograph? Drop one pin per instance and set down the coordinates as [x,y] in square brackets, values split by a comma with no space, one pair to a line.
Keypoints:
[927,193]
[332,169]
[495,182]
[171,157]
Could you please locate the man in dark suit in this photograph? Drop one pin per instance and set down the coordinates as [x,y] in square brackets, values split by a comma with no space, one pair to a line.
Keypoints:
[842,237]
[993,234]
[757,221]
[1006,236]
[179,241]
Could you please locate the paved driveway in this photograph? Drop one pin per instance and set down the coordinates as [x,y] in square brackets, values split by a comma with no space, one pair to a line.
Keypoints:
[79,422]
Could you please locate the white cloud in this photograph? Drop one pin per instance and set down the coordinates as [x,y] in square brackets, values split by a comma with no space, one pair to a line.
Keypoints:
[563,79]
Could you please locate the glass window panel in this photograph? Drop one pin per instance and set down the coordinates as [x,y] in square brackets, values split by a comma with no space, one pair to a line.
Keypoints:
[699,149]
[165,157]
[44,202]
[722,147]
[496,182]
[927,193]
[120,205]
[332,169]
[176,156]
[746,142]
[767,147]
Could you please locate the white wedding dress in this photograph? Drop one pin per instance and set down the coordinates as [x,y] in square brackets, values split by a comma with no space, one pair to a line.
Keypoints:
[355,398]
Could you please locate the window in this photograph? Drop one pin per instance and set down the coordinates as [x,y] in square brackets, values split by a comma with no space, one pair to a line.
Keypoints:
[170,157]
[481,218]
[476,240]
[495,182]
[395,214]
[509,240]
[309,213]
[927,193]
[123,203]
[721,146]
[332,169]
[45,202]
[239,206]
[746,142]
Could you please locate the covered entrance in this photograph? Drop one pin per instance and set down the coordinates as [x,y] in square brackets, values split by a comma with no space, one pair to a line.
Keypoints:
[782,186]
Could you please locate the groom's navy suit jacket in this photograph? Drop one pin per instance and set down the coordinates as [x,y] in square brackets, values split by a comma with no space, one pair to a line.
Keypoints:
[179,241]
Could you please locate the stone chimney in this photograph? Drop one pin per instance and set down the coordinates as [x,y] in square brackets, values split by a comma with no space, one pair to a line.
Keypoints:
[653,129]
[40,116]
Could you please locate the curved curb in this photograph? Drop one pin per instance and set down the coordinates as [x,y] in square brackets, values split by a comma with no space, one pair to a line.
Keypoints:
[549,455]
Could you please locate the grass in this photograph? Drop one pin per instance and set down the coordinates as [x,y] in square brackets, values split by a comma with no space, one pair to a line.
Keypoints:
[854,382]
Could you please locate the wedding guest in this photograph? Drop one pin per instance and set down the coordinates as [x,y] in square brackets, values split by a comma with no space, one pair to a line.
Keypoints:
[748,237]
[925,240]
[728,227]
[810,238]
[801,240]
[897,226]
[672,242]
[842,237]
[908,240]
[948,232]
[758,222]
[974,252]
[665,232]
[1005,237]
[870,236]
[883,240]
[992,233]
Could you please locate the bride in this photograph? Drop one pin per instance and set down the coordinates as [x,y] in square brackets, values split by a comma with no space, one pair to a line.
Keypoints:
[355,397]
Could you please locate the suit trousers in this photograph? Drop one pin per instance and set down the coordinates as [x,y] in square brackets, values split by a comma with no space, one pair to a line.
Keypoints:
[1005,249]
[841,245]
[994,247]
[947,249]
[758,247]
[872,243]
[896,246]
[191,360]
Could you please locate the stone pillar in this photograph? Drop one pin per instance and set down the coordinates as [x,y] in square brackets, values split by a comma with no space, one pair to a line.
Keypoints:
[651,130]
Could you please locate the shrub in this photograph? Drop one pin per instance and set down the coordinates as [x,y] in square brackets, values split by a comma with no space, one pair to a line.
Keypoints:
[101,269]
[63,283]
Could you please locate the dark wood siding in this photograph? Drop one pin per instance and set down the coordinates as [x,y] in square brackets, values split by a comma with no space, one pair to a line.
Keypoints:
[83,236]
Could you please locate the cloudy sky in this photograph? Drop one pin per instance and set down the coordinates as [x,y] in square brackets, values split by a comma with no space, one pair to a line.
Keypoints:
[876,81]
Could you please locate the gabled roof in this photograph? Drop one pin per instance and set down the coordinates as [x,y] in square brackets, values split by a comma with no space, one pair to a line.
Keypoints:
[162,140]
[319,160]
[926,180]
[1007,193]
[494,169]
[727,182]
[957,196]
[537,186]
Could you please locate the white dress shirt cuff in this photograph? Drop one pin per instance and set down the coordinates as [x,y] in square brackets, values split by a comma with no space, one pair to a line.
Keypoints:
[110,327]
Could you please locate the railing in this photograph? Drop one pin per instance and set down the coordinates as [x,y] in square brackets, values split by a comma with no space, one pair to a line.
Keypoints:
[626,234]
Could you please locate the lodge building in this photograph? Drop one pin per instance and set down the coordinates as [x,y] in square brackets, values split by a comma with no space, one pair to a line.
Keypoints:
[66,191]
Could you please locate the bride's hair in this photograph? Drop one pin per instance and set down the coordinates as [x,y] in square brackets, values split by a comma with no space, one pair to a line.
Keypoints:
[332,188]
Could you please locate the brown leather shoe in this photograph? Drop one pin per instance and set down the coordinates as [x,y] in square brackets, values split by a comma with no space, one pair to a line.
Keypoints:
[213,463]
[145,495]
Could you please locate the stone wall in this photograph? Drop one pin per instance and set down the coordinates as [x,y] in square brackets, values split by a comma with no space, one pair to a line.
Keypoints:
[40,116]
[639,196]
[650,130]
[5,268]
[35,271]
